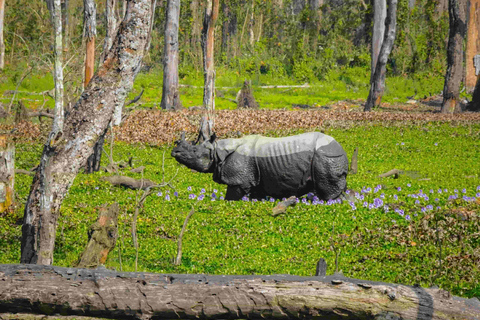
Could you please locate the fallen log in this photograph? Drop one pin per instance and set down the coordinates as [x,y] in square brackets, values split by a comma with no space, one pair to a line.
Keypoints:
[52,290]
[130,183]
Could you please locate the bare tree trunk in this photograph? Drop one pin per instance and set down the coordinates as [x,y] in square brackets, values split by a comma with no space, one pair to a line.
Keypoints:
[56,15]
[379,16]
[453,77]
[229,28]
[90,32]
[64,154]
[2,40]
[7,172]
[120,295]
[111,27]
[251,24]
[170,93]
[65,25]
[474,105]
[377,83]
[472,43]
[208,39]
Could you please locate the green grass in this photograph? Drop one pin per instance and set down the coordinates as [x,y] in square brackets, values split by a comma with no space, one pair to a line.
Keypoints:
[338,84]
[243,238]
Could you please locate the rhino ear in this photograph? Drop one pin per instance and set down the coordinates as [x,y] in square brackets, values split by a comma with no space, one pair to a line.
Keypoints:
[222,154]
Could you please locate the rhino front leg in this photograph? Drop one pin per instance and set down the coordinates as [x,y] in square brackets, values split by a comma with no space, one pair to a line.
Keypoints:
[235,193]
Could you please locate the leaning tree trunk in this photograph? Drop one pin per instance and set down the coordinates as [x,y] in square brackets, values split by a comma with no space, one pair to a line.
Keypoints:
[453,77]
[7,172]
[107,294]
[2,40]
[64,154]
[472,43]
[208,39]
[474,105]
[379,16]
[170,93]
[377,83]
[90,32]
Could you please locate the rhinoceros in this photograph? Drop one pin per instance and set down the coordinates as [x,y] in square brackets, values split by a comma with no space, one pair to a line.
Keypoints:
[260,166]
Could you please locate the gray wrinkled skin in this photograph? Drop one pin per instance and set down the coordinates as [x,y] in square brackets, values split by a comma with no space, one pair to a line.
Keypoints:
[278,167]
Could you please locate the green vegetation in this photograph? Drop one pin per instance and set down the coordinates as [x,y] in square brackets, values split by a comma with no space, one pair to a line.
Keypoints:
[397,242]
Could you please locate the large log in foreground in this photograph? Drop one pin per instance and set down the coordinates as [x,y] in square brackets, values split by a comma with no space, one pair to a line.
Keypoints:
[104,293]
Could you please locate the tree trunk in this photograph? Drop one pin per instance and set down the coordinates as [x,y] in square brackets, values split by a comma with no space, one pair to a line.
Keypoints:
[170,93]
[474,105]
[453,77]
[208,39]
[102,237]
[251,24]
[111,27]
[90,32]
[229,28]
[473,43]
[377,83]
[65,24]
[2,40]
[7,172]
[379,16]
[56,15]
[121,295]
[64,154]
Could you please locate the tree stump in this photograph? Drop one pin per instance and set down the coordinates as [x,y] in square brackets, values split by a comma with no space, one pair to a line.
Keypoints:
[7,172]
[102,237]
[245,99]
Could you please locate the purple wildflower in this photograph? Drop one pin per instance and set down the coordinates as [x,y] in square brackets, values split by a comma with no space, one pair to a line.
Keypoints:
[159,194]
[191,196]
[167,197]
[409,185]
[201,197]
[417,201]
[464,190]
[214,195]
[429,207]
[189,188]
[399,189]
[386,208]
[222,198]
[175,194]
[215,191]
[395,197]
[272,200]
[202,191]
[407,217]
[377,202]
[244,198]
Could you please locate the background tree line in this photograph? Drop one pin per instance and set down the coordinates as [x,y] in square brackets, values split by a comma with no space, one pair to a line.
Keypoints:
[299,38]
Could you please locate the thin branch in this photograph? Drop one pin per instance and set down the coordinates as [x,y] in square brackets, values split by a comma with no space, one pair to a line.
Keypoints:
[178,260]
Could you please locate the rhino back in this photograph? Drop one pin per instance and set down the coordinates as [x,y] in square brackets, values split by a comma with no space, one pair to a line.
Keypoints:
[285,163]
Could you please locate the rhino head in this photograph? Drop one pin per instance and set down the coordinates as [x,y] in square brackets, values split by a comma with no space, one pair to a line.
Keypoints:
[199,157]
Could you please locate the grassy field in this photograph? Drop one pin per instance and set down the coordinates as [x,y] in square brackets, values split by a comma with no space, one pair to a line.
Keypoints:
[422,228]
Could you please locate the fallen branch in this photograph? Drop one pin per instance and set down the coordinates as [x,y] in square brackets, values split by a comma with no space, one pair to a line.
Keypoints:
[354,162]
[21,171]
[120,295]
[40,114]
[130,183]
[282,206]
[135,99]
[393,172]
[178,259]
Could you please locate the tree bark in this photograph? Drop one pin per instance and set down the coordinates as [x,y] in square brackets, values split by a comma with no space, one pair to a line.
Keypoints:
[65,24]
[7,172]
[90,32]
[229,28]
[2,40]
[56,15]
[379,16]
[474,105]
[107,294]
[64,154]
[472,43]
[208,39]
[377,83]
[102,237]
[111,27]
[170,93]
[454,74]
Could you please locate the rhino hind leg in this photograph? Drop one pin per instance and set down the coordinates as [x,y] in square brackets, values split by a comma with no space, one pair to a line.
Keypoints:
[330,176]
[235,193]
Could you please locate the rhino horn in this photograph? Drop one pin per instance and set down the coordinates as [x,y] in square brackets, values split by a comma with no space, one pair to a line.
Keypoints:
[182,136]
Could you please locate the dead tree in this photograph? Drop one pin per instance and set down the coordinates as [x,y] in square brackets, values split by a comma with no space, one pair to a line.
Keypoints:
[2,40]
[56,15]
[102,237]
[377,82]
[7,172]
[65,153]
[245,98]
[454,74]
[170,93]
[472,45]
[111,27]
[90,32]
[208,39]
[120,295]
[379,16]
